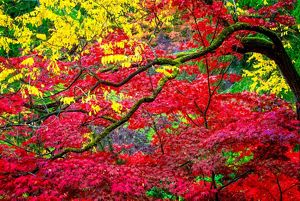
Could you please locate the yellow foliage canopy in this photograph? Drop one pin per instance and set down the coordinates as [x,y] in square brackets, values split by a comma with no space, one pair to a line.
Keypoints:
[265,76]
[73,23]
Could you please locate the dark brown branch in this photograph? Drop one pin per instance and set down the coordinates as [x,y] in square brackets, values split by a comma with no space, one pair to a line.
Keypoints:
[70,85]
[161,145]
[20,173]
[280,190]
[235,179]
[41,118]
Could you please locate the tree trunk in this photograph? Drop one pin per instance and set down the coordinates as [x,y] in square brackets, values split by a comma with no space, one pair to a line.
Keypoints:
[276,52]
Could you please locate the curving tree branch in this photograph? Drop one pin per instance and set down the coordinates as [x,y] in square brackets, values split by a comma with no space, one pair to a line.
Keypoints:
[118,123]
[274,50]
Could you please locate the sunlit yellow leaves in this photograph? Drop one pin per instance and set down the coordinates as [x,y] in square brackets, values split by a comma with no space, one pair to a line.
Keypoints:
[23,35]
[91,99]
[88,98]
[66,4]
[47,2]
[107,47]
[287,45]
[41,36]
[135,58]
[138,50]
[32,90]
[114,97]
[10,79]
[163,71]
[265,76]
[4,43]
[96,109]
[282,30]
[15,78]
[67,100]
[124,61]
[117,58]
[70,25]
[3,87]
[120,44]
[234,9]
[5,73]
[5,77]
[229,4]
[166,70]
[99,19]
[241,11]
[126,64]
[31,73]
[5,20]
[88,136]
[53,67]
[165,17]
[117,107]
[29,61]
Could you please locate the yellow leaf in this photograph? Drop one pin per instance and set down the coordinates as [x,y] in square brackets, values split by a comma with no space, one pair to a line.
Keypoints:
[126,64]
[265,76]
[67,100]
[41,36]
[28,62]
[54,67]
[96,108]
[4,74]
[117,107]
[32,90]
[164,69]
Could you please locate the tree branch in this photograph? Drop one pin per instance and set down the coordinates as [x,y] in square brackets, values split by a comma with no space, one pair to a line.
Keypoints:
[118,123]
[235,179]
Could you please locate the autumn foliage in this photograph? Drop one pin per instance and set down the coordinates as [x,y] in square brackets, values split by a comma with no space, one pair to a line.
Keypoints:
[131,100]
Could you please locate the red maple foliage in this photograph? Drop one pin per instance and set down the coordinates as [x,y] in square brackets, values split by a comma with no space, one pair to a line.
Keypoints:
[206,145]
